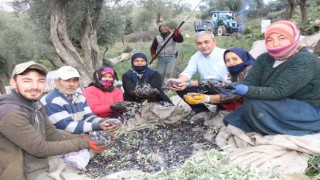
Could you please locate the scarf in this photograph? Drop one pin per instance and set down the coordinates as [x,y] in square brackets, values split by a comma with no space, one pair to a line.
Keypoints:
[246,58]
[104,85]
[290,31]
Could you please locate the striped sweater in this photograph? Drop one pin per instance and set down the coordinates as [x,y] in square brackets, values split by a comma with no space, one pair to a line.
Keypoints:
[72,116]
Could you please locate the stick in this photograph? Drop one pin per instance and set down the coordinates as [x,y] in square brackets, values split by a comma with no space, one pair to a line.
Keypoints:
[173,33]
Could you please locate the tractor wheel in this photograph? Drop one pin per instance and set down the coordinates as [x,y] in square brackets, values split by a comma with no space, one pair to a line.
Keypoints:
[210,28]
[221,30]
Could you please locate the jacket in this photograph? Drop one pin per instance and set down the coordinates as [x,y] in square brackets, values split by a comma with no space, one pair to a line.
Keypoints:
[27,137]
[99,101]
[296,78]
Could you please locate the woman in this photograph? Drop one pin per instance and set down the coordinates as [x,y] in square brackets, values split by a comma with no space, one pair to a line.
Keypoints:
[238,62]
[141,82]
[282,89]
[101,94]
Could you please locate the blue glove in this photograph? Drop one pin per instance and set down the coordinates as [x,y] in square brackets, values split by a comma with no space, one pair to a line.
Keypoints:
[240,89]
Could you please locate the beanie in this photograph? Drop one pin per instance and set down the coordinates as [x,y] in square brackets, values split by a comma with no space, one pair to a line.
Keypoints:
[137,55]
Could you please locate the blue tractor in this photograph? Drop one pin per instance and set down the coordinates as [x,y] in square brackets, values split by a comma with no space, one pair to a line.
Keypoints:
[221,23]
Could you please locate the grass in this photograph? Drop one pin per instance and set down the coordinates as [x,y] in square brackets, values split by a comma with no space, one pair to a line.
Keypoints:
[187,49]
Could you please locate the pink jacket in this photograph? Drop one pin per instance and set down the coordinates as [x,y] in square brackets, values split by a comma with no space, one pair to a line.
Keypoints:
[100,101]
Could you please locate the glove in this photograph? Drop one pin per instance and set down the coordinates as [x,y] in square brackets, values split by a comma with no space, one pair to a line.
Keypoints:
[240,89]
[196,98]
[153,57]
[118,106]
[97,145]
[176,31]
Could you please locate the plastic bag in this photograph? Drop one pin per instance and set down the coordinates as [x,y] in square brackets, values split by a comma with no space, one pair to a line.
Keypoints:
[78,159]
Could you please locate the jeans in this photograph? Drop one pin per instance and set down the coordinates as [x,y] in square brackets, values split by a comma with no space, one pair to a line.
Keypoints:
[166,66]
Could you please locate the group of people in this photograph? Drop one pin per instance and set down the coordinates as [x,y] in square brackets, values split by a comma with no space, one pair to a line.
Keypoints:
[278,93]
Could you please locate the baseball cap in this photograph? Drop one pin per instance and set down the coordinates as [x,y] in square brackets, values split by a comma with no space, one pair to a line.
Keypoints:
[67,72]
[20,68]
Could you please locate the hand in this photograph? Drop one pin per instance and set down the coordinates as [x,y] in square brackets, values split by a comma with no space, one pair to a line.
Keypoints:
[153,57]
[239,89]
[118,106]
[181,85]
[85,136]
[176,31]
[97,145]
[196,98]
[105,126]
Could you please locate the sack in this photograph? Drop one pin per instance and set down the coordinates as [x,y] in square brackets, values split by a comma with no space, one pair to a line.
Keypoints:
[78,159]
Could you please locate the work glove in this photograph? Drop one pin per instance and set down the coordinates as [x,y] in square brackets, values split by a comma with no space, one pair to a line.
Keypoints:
[196,98]
[176,31]
[98,145]
[118,106]
[153,57]
[239,89]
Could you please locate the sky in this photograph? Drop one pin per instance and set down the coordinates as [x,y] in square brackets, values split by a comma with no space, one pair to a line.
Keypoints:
[194,3]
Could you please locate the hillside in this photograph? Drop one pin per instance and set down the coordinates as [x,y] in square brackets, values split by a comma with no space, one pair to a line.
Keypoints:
[141,41]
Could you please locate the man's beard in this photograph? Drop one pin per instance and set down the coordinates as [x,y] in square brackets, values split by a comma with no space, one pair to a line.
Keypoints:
[28,92]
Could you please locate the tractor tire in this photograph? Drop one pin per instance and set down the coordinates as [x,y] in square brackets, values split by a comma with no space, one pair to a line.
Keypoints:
[210,28]
[221,30]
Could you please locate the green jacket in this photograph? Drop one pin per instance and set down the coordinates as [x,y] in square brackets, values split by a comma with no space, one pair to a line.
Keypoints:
[27,138]
[297,78]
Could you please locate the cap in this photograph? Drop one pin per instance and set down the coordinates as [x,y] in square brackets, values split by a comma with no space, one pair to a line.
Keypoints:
[20,68]
[67,72]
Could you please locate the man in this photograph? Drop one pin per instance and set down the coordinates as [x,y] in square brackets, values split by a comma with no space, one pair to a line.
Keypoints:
[68,109]
[27,137]
[209,64]
[167,56]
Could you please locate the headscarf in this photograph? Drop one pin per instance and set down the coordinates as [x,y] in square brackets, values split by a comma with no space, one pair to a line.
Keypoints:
[140,71]
[104,85]
[288,30]
[246,58]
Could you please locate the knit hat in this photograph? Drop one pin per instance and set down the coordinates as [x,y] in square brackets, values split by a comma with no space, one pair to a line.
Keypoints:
[137,55]
[285,28]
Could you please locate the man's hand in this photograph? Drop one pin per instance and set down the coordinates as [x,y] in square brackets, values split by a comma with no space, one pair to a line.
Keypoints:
[105,126]
[99,145]
[176,31]
[196,98]
[177,85]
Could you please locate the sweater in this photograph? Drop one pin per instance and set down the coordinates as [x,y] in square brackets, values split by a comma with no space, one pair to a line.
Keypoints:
[27,137]
[74,116]
[296,78]
[99,101]
[154,80]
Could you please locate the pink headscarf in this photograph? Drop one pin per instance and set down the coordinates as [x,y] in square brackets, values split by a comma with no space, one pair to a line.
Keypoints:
[288,30]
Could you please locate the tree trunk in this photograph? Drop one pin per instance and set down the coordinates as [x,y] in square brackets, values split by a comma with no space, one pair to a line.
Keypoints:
[2,88]
[303,10]
[125,45]
[290,9]
[62,43]
[89,43]
[54,59]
